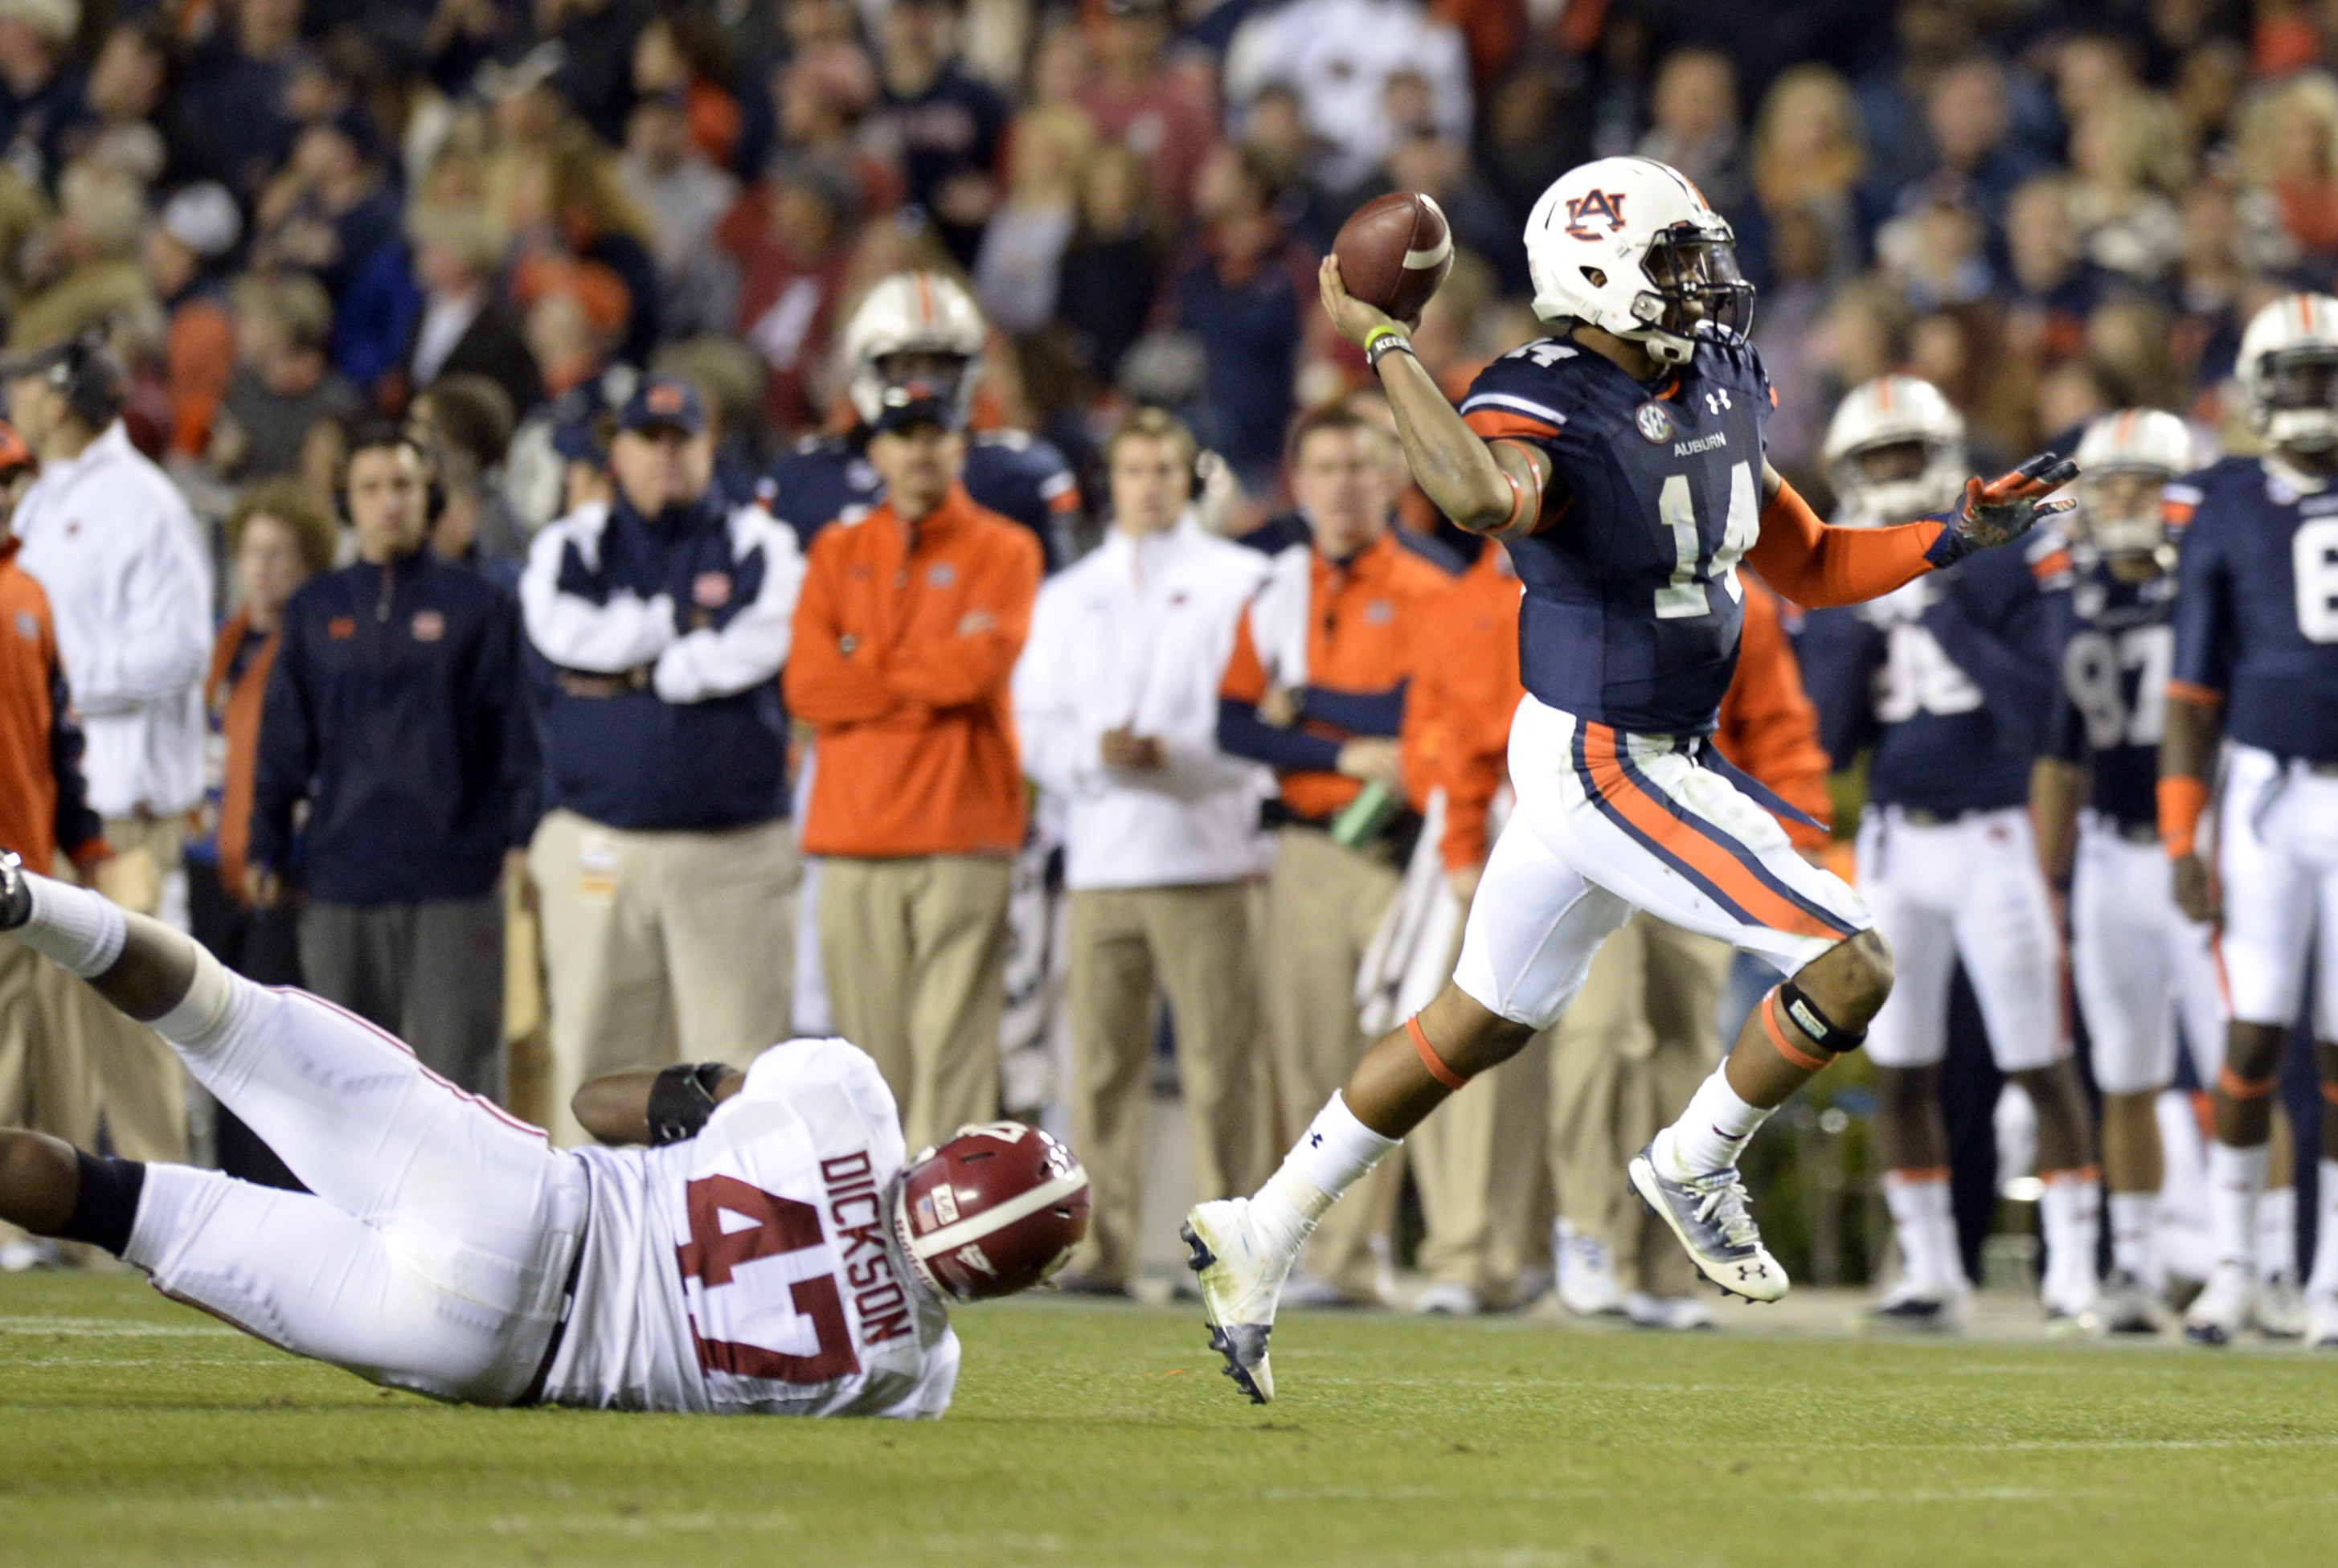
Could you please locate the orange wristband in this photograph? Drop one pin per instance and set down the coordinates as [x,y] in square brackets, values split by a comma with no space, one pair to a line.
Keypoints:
[2182,800]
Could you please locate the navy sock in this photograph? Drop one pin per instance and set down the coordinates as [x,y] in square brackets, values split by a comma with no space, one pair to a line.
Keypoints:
[107,1204]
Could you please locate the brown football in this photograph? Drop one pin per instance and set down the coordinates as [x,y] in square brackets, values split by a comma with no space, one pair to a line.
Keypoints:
[1395,251]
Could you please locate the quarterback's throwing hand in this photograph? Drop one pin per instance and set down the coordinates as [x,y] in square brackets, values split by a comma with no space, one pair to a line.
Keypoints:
[2008,506]
[1353,319]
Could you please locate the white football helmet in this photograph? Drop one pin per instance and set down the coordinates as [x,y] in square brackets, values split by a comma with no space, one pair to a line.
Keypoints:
[1629,246]
[916,339]
[1895,411]
[2115,515]
[2289,372]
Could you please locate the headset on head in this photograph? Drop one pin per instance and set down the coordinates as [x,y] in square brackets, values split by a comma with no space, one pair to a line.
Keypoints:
[89,378]
[378,434]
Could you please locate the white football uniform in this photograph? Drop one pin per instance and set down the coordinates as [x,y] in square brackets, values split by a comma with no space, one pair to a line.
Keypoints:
[443,1244]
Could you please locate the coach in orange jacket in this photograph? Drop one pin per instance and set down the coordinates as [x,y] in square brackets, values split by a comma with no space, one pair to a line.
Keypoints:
[905,639]
[1639,1037]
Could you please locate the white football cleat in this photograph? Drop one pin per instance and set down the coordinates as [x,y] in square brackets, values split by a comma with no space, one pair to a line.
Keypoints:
[1708,1214]
[1241,1280]
[1446,1299]
[2321,1322]
[2221,1309]
[1679,1314]
[2126,1306]
[1588,1284]
[2281,1308]
[1910,1309]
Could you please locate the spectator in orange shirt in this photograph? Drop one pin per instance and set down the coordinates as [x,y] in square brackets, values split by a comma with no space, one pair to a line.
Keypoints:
[905,639]
[1315,690]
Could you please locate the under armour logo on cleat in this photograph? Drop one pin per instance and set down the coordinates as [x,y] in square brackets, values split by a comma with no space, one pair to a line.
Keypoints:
[1747,1271]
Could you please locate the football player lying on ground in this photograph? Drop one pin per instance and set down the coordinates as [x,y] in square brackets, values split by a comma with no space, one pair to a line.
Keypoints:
[1621,459]
[773,1253]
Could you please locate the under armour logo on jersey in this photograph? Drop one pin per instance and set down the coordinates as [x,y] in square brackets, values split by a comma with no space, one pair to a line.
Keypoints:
[1583,209]
[1714,402]
[1314,1139]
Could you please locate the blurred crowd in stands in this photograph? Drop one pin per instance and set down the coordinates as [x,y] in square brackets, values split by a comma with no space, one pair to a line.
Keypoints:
[467,392]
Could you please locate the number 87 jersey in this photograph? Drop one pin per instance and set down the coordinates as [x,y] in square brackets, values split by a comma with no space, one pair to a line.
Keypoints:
[2256,606]
[1633,607]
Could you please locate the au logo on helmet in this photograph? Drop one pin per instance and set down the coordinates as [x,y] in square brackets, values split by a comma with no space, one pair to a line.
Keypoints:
[1583,209]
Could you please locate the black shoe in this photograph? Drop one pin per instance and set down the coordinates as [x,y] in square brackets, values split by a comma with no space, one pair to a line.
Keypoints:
[1072,1282]
[16,892]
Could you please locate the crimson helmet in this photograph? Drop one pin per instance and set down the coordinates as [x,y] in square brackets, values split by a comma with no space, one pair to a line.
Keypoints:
[995,1209]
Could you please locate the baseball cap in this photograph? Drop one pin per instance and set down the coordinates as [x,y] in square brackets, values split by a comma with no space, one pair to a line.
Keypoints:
[664,403]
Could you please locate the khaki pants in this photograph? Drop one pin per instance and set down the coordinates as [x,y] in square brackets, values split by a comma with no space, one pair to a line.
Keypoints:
[1191,944]
[1477,1162]
[139,1089]
[661,947]
[1323,904]
[1625,1062]
[915,955]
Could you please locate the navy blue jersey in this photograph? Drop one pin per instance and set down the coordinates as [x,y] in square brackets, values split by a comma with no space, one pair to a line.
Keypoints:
[824,479]
[1633,607]
[2257,604]
[1946,678]
[2113,643]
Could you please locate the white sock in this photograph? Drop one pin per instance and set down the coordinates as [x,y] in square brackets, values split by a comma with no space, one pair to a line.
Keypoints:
[1926,1223]
[2070,1212]
[73,926]
[2278,1233]
[2235,1177]
[1332,1156]
[1711,1133]
[2134,1217]
[2325,1243]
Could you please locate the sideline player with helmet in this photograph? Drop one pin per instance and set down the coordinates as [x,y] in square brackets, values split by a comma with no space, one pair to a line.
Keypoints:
[2256,666]
[1621,459]
[918,337]
[776,1254]
[2137,962]
[1947,680]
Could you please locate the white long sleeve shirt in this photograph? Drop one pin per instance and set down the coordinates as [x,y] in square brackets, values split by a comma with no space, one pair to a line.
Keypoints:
[112,541]
[1137,635]
[1339,55]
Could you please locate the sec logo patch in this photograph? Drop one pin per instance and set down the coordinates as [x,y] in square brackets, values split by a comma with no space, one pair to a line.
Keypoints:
[1655,421]
[429,625]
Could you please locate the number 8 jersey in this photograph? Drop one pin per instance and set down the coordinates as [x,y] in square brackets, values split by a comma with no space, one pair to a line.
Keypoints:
[2256,606]
[1633,607]
[753,1268]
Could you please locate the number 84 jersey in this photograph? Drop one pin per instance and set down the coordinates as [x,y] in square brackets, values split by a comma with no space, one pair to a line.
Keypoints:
[2256,605]
[752,1269]
[1633,608]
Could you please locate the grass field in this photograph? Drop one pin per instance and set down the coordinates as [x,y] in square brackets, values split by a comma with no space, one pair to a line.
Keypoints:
[135,1432]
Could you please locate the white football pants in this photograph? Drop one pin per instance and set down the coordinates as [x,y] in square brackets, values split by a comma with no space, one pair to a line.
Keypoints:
[2277,857]
[1970,889]
[2138,965]
[434,1251]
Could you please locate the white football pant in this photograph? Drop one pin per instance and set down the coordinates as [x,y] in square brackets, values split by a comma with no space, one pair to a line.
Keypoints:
[2138,965]
[2277,858]
[434,1251]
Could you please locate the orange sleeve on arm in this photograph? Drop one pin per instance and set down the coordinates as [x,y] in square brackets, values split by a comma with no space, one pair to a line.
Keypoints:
[1817,566]
[825,685]
[2182,800]
[973,663]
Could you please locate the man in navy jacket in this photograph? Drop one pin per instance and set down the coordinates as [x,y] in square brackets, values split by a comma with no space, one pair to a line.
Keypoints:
[663,863]
[395,713]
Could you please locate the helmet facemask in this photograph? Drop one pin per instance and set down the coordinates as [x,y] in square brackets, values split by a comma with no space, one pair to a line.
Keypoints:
[2299,408]
[2119,511]
[925,379]
[1694,289]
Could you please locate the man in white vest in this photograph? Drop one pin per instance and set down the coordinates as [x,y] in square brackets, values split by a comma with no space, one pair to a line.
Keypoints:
[112,541]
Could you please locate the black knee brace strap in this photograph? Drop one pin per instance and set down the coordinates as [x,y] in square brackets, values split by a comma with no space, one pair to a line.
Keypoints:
[1823,1032]
[107,1204]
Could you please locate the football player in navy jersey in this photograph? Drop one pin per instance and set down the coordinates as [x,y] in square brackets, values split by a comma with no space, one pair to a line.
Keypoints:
[2138,962]
[1947,682]
[2256,666]
[1621,459]
[918,336]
